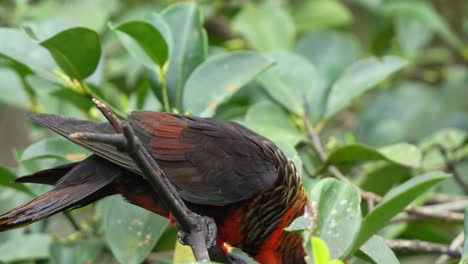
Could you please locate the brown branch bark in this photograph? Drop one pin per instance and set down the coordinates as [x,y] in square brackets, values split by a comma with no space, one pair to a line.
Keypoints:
[422,247]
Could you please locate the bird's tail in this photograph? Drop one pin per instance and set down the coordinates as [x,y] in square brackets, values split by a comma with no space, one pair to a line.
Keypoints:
[76,185]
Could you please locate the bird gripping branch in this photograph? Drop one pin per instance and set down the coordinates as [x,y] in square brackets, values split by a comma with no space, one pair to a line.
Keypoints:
[214,171]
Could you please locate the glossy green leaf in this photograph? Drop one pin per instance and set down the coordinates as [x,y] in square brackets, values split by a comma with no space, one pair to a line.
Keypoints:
[189,47]
[393,203]
[403,154]
[131,232]
[320,252]
[380,177]
[378,251]
[148,37]
[271,121]
[183,254]
[427,14]
[339,218]
[77,51]
[299,224]
[54,148]
[219,77]
[25,247]
[316,14]
[21,48]
[358,78]
[330,52]
[291,81]
[6,179]
[266,27]
[12,90]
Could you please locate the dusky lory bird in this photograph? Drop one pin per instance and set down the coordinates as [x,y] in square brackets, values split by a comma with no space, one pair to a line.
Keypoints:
[220,169]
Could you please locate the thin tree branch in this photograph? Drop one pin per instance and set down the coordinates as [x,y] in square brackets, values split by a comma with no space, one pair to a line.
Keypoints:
[371,198]
[421,213]
[450,166]
[72,221]
[456,244]
[417,246]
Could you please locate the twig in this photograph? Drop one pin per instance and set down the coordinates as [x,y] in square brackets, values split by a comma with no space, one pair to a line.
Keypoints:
[455,206]
[72,221]
[198,232]
[370,197]
[456,244]
[420,213]
[450,166]
[417,246]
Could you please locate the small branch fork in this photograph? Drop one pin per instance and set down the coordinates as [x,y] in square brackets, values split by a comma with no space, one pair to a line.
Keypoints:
[197,231]
[445,211]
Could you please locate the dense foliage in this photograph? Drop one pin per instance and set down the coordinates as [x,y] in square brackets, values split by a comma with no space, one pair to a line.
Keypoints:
[368,97]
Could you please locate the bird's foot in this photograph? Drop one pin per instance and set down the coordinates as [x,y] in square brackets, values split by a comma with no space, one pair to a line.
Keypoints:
[204,225]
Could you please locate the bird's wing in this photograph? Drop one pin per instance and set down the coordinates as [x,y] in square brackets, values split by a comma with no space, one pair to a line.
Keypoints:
[209,161]
[66,126]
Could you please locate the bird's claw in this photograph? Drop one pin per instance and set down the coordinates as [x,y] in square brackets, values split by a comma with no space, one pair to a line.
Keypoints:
[206,225]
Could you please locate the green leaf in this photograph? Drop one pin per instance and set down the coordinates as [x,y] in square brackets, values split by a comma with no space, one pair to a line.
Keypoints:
[79,100]
[6,179]
[54,148]
[393,203]
[189,47]
[378,251]
[465,242]
[321,14]
[25,248]
[131,232]
[291,81]
[147,35]
[330,52]
[76,252]
[266,27]
[215,80]
[403,154]
[77,50]
[449,139]
[412,34]
[380,177]
[299,224]
[271,121]
[339,219]
[12,90]
[21,48]
[358,78]
[320,252]
[427,15]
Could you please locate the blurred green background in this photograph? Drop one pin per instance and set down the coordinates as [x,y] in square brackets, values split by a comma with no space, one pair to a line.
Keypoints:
[316,60]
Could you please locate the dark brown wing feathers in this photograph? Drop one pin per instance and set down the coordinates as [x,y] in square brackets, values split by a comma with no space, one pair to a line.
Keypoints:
[209,161]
